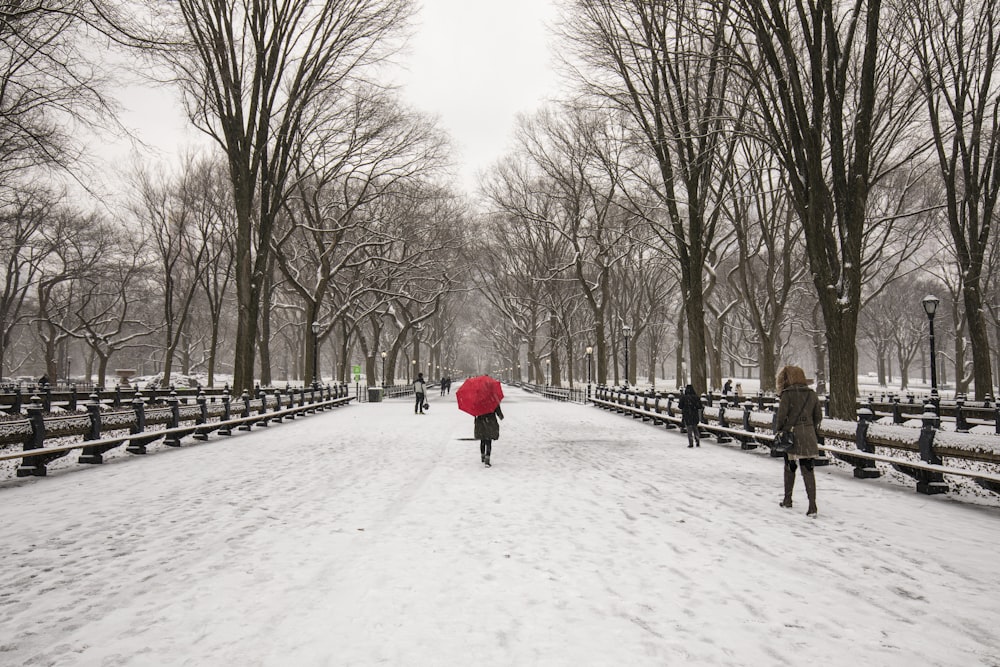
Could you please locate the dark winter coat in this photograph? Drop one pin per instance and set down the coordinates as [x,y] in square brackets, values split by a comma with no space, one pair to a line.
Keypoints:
[796,398]
[690,405]
[488,426]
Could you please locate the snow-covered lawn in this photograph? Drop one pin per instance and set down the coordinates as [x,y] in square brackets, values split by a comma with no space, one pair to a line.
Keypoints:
[368,535]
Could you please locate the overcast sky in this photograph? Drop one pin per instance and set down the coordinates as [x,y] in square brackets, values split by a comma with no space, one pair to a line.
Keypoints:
[475,64]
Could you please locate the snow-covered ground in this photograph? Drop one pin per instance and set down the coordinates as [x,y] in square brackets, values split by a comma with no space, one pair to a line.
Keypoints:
[368,535]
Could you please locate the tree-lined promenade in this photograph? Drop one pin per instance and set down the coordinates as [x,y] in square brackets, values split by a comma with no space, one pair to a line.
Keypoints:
[725,186]
[367,535]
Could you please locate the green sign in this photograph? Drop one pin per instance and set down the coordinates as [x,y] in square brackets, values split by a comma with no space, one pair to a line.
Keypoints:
[356,372]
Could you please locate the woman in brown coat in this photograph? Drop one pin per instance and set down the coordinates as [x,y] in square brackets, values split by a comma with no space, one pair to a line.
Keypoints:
[798,410]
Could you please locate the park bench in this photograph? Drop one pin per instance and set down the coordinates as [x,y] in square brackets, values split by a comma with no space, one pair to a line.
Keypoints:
[757,430]
[31,433]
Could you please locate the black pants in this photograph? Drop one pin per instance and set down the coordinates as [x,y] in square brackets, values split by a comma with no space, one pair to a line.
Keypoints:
[419,405]
[485,447]
[694,435]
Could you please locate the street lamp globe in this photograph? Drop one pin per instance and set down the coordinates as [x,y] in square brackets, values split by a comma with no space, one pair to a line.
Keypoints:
[930,304]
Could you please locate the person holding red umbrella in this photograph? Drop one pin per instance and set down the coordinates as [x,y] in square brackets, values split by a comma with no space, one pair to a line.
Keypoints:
[487,430]
[480,397]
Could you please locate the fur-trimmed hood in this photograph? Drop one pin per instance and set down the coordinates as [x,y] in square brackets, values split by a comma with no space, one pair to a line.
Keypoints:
[788,376]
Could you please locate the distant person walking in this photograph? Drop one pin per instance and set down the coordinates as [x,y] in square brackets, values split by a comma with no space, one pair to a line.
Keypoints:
[444,384]
[486,431]
[690,405]
[726,388]
[798,410]
[420,392]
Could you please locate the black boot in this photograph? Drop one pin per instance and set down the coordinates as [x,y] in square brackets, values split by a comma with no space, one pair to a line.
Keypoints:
[482,451]
[789,485]
[809,477]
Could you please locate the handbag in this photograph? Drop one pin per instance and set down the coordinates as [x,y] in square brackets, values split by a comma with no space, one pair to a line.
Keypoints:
[784,440]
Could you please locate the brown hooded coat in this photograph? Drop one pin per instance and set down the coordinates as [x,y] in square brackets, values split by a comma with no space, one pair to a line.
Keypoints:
[798,399]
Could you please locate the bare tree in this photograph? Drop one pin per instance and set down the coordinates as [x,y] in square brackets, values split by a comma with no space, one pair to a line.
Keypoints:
[570,175]
[769,246]
[79,243]
[24,250]
[255,75]
[958,48]
[367,147]
[110,312]
[833,100]
[216,280]
[181,220]
[52,82]
[664,64]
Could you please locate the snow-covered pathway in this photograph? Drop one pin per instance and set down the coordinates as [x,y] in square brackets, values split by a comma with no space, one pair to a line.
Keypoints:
[369,535]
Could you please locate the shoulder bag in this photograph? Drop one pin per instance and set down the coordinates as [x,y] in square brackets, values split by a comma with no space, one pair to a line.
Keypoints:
[784,440]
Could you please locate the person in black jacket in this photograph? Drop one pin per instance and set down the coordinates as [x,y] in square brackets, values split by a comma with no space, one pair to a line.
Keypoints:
[487,430]
[419,391]
[690,405]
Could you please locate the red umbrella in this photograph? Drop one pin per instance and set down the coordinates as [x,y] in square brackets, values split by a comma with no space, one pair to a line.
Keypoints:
[480,395]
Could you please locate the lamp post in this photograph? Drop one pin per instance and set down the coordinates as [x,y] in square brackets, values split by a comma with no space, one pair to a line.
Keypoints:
[627,330]
[548,371]
[315,330]
[930,304]
[413,372]
[383,369]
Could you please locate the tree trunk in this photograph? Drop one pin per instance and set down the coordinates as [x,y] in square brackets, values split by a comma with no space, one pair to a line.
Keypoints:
[695,315]
[979,336]
[679,357]
[102,370]
[246,327]
[212,352]
[841,332]
[601,354]
[768,364]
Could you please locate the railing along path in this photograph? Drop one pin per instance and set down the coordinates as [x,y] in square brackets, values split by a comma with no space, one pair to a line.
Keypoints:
[753,428]
[244,413]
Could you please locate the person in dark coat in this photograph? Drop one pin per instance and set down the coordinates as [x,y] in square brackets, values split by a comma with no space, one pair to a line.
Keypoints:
[800,411]
[420,391]
[727,388]
[690,405]
[486,431]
